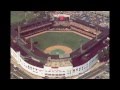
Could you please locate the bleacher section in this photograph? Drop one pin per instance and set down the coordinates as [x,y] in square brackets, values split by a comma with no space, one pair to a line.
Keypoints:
[35,29]
[102,36]
[17,48]
[82,59]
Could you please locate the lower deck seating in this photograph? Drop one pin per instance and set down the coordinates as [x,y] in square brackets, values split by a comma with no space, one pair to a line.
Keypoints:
[92,52]
[83,32]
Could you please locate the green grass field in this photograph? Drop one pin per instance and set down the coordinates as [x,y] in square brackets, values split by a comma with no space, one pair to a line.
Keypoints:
[69,39]
[19,16]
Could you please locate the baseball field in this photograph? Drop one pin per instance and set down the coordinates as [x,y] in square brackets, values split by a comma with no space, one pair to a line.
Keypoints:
[58,42]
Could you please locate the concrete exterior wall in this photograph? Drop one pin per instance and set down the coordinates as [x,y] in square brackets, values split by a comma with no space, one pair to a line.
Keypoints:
[67,71]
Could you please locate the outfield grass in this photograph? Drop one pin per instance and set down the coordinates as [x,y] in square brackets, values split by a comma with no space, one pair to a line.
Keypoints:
[69,39]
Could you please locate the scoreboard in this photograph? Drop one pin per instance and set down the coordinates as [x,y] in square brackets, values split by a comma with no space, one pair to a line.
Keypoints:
[61,17]
[61,20]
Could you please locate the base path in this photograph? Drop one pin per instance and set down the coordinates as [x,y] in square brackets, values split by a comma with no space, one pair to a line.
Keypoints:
[66,49]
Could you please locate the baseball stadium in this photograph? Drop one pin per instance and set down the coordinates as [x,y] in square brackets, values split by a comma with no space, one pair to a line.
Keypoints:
[58,47]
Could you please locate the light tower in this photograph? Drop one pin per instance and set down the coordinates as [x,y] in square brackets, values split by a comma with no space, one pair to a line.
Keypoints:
[97,29]
[18,36]
[81,50]
[31,48]
[81,44]
[95,22]
[26,19]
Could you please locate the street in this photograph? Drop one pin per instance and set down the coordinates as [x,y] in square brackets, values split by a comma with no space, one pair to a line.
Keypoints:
[94,72]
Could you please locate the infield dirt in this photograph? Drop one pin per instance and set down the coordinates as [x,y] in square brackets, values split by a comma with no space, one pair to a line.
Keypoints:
[66,49]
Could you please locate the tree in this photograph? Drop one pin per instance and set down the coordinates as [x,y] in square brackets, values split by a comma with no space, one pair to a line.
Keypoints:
[104,54]
[101,56]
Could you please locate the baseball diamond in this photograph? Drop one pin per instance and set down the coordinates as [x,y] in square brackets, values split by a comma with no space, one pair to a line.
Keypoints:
[58,49]
[68,39]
